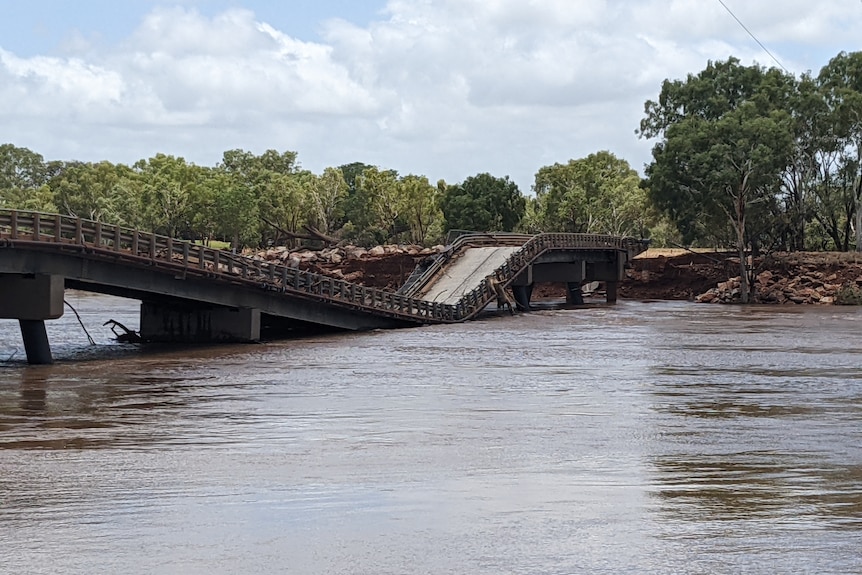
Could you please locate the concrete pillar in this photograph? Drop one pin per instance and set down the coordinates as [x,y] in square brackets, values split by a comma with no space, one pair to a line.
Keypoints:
[36,343]
[611,291]
[172,323]
[573,293]
[31,299]
[522,294]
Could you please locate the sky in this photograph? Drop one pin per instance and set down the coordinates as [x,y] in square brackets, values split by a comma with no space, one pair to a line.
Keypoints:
[442,88]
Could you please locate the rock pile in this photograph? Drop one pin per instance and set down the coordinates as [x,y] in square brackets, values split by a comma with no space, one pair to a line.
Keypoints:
[798,279]
[339,255]
[386,266]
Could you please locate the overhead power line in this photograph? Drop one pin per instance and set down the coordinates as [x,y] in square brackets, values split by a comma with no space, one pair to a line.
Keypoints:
[750,33]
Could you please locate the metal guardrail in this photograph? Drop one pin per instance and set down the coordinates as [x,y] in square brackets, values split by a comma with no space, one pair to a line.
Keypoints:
[132,247]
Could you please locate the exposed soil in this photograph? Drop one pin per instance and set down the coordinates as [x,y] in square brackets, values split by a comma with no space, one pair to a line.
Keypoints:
[665,275]
[385,272]
[798,277]
[676,277]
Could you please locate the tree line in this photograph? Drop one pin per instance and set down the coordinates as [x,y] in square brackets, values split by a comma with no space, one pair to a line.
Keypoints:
[253,200]
[747,157]
[758,158]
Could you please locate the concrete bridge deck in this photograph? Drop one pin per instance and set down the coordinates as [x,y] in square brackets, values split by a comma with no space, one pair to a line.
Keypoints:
[466,272]
[194,293]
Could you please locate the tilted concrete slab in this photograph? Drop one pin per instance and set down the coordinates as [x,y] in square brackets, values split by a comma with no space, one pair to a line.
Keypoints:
[465,273]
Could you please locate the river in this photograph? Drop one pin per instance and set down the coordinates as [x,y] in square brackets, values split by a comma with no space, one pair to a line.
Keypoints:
[646,437]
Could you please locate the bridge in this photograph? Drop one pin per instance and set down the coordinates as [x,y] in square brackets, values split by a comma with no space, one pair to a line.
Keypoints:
[193,293]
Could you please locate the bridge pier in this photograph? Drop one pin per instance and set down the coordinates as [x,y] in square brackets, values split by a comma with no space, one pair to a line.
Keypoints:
[31,299]
[36,344]
[523,294]
[174,323]
[574,295]
[611,291]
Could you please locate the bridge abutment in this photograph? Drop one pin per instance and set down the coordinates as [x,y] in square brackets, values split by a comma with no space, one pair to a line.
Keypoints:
[173,323]
[31,299]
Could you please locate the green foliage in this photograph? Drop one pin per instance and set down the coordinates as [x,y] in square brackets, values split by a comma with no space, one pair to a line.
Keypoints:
[849,294]
[267,194]
[726,140]
[167,187]
[96,192]
[24,176]
[422,209]
[597,194]
[328,194]
[483,203]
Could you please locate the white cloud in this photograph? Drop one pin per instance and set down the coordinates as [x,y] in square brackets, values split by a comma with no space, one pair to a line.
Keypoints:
[447,88]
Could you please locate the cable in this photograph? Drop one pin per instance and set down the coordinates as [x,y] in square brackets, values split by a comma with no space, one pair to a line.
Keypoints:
[759,43]
[92,341]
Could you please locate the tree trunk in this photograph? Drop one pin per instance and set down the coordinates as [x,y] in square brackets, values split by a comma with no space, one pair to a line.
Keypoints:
[740,242]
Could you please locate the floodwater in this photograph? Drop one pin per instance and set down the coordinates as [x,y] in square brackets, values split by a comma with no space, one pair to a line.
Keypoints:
[646,437]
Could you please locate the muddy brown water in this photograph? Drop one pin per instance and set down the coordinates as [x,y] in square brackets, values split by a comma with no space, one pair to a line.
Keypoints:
[652,437]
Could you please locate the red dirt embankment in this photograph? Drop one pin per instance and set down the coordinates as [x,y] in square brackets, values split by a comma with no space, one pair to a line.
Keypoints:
[800,277]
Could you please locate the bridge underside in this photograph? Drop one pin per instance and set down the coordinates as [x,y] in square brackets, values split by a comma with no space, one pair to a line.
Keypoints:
[574,269]
[173,309]
[193,293]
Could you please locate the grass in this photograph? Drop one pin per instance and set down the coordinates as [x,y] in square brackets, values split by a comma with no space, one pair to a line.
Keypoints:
[216,244]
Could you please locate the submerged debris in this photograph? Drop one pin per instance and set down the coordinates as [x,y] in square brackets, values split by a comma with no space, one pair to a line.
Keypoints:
[122,333]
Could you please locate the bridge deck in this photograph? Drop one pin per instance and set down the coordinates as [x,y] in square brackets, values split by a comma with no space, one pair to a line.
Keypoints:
[112,259]
[465,272]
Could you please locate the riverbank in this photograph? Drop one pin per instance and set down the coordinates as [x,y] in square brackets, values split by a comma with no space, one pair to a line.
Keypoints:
[780,278]
[704,276]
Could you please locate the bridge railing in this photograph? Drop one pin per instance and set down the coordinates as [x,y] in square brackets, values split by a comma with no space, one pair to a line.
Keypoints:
[475,300]
[420,277]
[532,247]
[188,259]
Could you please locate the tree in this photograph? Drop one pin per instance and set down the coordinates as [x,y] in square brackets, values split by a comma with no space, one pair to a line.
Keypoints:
[841,80]
[379,192]
[327,194]
[597,194]
[168,186]
[422,208]
[96,191]
[483,203]
[263,188]
[726,140]
[24,176]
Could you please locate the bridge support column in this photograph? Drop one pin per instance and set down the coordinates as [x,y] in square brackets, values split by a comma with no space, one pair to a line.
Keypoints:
[31,299]
[36,344]
[168,323]
[574,295]
[522,294]
[611,291]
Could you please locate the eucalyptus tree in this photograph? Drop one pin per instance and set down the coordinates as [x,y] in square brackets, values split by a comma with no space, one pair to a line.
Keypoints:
[266,192]
[327,195]
[841,82]
[168,187]
[24,176]
[597,194]
[421,209]
[379,206]
[97,191]
[483,203]
[726,139]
